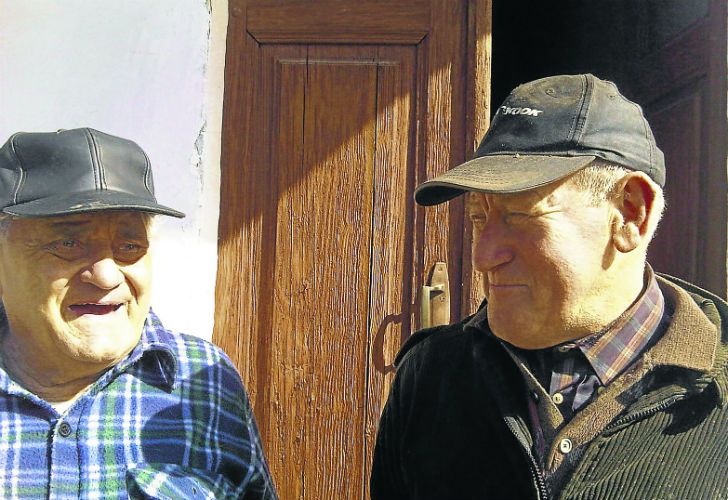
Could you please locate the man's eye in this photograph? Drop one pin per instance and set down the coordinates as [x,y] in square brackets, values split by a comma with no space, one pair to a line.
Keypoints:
[130,250]
[66,244]
[66,248]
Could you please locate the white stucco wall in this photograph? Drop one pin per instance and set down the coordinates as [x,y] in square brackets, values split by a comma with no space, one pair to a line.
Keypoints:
[150,71]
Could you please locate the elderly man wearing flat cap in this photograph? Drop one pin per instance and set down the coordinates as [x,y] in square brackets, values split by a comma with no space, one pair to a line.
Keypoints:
[97,398]
[584,374]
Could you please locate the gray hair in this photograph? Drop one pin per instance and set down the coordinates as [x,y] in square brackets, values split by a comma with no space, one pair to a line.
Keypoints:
[599,181]
[5,221]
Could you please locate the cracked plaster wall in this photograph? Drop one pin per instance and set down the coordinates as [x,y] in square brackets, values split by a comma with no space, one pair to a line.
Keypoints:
[148,71]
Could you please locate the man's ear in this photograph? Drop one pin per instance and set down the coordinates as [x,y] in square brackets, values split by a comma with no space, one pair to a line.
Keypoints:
[634,203]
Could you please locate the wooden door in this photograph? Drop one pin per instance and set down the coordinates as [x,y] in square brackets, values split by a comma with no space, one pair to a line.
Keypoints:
[680,78]
[334,111]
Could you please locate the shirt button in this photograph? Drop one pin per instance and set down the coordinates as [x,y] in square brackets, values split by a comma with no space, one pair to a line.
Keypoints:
[64,429]
[557,398]
[565,445]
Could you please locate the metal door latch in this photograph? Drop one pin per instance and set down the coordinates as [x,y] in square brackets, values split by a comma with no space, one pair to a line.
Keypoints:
[435,298]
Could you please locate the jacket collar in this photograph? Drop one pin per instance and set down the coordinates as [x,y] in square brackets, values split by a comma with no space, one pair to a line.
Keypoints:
[691,345]
[702,347]
[691,340]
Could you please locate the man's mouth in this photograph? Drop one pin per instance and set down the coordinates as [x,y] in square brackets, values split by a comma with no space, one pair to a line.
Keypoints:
[94,308]
[505,287]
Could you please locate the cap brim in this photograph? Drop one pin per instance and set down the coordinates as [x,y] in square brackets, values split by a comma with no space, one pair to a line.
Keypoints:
[499,174]
[89,201]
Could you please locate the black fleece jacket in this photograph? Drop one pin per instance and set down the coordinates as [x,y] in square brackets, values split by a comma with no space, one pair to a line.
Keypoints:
[455,424]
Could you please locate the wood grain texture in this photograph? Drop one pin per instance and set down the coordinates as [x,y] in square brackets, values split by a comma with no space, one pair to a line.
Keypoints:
[321,248]
[441,227]
[391,243]
[331,21]
[238,255]
[311,330]
[286,330]
[340,132]
[678,129]
[480,30]
[715,236]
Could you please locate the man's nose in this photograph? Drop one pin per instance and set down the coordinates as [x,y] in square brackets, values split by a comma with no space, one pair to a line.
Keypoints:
[492,248]
[104,273]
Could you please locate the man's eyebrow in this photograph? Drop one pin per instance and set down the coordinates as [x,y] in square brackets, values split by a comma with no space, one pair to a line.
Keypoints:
[134,232]
[70,224]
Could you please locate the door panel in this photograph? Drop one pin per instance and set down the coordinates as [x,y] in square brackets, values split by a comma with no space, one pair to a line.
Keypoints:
[389,294]
[680,78]
[325,248]
[321,249]
[334,21]
[677,126]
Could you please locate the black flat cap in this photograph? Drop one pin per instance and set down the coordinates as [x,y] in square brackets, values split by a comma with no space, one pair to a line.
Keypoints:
[75,171]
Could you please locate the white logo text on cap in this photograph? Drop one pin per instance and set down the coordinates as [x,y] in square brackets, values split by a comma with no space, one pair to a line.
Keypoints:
[506,110]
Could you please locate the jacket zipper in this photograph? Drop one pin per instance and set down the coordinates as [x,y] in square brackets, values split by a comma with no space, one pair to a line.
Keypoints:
[646,412]
[536,475]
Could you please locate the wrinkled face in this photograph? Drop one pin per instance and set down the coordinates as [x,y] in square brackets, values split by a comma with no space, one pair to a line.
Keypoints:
[542,254]
[77,287]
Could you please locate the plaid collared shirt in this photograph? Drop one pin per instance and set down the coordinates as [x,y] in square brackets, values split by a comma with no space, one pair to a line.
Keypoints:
[172,420]
[573,371]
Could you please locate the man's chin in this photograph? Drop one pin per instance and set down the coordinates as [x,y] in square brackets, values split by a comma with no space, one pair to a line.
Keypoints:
[103,354]
[101,344]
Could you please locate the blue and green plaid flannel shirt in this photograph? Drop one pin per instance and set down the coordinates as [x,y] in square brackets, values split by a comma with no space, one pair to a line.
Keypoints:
[172,420]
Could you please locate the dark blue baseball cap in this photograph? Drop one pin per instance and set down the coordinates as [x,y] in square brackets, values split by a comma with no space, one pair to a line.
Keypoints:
[548,129]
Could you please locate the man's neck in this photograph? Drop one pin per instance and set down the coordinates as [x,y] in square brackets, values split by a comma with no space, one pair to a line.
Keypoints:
[606,303]
[45,380]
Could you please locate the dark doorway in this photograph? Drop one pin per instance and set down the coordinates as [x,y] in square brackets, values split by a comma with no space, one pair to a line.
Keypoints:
[670,57]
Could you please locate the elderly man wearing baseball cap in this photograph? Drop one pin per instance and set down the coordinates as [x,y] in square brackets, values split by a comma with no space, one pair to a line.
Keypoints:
[583,374]
[97,398]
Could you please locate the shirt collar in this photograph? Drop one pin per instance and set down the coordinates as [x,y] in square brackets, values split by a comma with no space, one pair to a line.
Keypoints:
[610,351]
[154,353]
[479,320]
